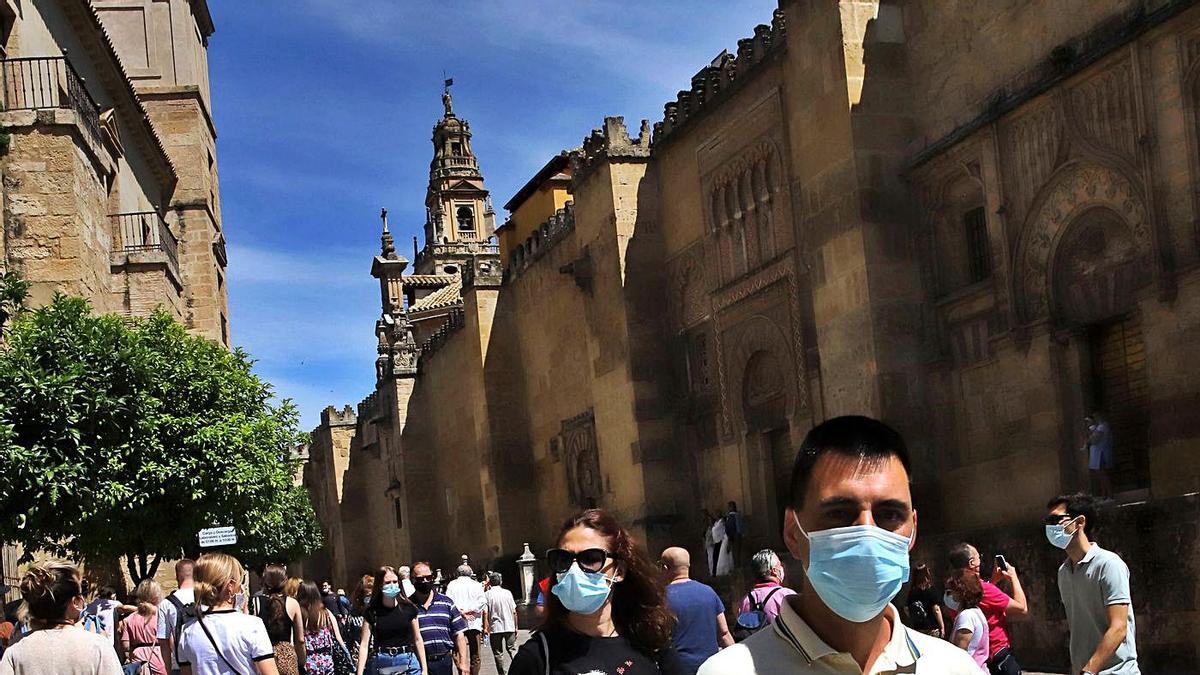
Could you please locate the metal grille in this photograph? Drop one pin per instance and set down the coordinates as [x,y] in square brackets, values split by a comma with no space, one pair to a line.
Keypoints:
[1119,367]
[979,253]
[145,231]
[38,83]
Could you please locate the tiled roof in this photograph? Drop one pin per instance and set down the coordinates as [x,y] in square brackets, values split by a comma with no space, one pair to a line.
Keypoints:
[428,280]
[444,297]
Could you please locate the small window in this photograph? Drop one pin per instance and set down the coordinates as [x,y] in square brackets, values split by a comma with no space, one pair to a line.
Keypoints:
[399,513]
[449,269]
[456,148]
[979,252]
[466,218]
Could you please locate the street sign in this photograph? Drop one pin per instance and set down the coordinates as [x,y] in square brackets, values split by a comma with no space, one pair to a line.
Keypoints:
[218,536]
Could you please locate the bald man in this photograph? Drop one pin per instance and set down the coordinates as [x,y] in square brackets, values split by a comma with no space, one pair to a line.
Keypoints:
[701,630]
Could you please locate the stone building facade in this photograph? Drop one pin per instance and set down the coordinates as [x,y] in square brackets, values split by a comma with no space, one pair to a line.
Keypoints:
[976,221]
[110,187]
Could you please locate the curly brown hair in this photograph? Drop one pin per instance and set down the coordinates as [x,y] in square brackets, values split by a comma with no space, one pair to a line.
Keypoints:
[639,605]
[965,587]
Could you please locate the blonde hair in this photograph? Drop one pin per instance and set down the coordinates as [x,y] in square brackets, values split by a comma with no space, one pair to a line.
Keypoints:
[291,587]
[148,594]
[48,589]
[213,573]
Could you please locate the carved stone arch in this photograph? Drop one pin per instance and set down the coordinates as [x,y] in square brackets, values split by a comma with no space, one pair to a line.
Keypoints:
[756,339]
[1075,189]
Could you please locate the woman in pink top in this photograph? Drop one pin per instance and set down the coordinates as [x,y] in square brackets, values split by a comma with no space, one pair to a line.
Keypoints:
[139,631]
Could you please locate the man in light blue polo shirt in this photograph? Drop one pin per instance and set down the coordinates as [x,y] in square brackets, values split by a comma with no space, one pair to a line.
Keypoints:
[1094,585]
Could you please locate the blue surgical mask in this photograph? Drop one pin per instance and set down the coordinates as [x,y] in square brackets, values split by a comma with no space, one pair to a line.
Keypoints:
[856,570]
[582,592]
[391,589]
[1058,535]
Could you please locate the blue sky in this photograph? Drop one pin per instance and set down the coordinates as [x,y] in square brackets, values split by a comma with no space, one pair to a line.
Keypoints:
[324,110]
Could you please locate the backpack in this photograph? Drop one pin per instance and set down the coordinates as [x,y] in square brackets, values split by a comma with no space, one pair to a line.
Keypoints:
[183,612]
[755,619]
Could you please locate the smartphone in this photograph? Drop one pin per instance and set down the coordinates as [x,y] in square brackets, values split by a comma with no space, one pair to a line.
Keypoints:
[1001,563]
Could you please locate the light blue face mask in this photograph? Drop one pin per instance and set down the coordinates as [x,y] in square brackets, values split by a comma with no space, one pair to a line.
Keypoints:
[391,590]
[1058,535]
[856,570]
[582,592]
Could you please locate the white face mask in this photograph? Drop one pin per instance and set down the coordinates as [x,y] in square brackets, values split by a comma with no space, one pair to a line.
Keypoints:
[949,601]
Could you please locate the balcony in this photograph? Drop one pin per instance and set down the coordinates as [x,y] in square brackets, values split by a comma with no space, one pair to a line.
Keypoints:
[144,231]
[48,82]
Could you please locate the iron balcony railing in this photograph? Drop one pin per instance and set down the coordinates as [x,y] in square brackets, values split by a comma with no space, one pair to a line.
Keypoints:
[145,231]
[42,82]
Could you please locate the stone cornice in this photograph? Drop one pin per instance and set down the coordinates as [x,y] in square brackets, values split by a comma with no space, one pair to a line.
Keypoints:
[169,92]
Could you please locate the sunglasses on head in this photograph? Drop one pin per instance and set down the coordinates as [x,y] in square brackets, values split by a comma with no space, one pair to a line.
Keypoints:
[590,560]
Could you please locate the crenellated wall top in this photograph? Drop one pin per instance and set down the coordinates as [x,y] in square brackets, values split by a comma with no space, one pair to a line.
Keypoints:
[714,81]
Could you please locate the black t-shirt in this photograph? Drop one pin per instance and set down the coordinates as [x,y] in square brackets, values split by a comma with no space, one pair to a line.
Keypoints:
[392,626]
[920,604]
[575,654]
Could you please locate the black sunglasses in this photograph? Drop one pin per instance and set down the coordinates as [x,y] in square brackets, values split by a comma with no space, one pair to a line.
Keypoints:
[590,560]
[427,577]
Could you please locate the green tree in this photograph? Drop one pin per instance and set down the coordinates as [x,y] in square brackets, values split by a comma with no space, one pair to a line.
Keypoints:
[125,437]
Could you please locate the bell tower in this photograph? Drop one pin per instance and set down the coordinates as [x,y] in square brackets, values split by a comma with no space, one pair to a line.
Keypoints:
[459,219]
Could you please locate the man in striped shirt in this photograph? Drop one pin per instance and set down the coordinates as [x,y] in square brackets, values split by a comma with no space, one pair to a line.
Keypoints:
[442,625]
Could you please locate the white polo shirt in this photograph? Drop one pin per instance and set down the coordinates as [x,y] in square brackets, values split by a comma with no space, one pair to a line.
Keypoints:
[790,647]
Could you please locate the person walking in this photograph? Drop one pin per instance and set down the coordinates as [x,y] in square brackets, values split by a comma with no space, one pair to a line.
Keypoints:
[468,596]
[442,626]
[970,633]
[997,606]
[406,584]
[922,609]
[735,531]
[321,636]
[171,612]
[391,620]
[218,639]
[606,611]
[359,600]
[700,627]
[850,522]
[502,622]
[767,595]
[55,596]
[280,613]
[1094,586]
[139,630]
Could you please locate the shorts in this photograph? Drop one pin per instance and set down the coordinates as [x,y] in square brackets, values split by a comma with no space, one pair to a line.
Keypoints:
[1100,457]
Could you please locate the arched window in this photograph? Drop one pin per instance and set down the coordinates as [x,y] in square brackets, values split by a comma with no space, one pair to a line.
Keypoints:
[466,218]
[979,253]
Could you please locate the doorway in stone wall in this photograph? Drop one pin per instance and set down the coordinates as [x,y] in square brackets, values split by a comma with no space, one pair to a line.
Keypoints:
[779,449]
[1120,390]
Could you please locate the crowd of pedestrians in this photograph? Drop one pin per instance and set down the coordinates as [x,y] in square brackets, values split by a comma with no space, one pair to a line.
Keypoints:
[606,608]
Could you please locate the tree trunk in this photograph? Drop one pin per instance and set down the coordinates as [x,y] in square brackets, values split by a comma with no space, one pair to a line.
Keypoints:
[154,566]
[132,567]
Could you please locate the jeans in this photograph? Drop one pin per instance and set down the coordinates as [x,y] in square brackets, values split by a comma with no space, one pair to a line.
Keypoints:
[404,663]
[442,666]
[504,648]
[1004,663]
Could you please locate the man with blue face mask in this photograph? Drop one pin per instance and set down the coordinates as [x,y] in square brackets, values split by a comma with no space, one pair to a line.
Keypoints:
[1094,586]
[850,522]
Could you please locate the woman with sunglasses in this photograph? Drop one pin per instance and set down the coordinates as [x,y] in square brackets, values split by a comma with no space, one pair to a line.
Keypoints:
[606,611]
[54,594]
